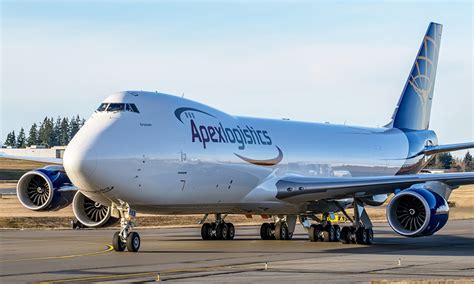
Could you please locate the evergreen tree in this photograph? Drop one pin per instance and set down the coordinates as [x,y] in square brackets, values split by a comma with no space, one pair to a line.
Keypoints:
[33,135]
[21,139]
[49,133]
[46,132]
[467,161]
[446,160]
[433,163]
[74,126]
[56,132]
[8,139]
[64,132]
[11,139]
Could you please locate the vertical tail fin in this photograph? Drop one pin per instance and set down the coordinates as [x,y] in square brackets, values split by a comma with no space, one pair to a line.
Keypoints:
[414,107]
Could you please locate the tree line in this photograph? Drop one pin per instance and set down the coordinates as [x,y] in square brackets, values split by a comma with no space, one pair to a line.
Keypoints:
[446,161]
[48,133]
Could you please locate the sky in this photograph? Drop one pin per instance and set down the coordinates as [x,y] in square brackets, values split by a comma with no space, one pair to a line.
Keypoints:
[334,61]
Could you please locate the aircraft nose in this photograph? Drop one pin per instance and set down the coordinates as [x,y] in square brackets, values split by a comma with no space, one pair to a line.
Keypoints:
[80,163]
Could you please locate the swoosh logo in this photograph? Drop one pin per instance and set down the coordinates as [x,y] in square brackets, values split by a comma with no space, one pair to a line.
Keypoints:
[180,111]
[269,162]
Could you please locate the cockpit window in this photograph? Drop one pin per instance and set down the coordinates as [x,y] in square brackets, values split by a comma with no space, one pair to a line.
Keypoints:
[102,107]
[134,108]
[114,107]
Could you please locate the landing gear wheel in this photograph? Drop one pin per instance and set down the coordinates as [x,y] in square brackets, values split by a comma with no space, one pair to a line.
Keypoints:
[231,231]
[206,231]
[328,234]
[314,232]
[273,228]
[281,231]
[133,242]
[370,236]
[213,231]
[361,236]
[337,233]
[346,235]
[117,242]
[266,231]
[222,231]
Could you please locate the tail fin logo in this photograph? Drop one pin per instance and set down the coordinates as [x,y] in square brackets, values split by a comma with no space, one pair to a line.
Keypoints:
[424,69]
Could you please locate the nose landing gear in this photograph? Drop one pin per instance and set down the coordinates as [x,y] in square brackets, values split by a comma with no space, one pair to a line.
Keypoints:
[125,238]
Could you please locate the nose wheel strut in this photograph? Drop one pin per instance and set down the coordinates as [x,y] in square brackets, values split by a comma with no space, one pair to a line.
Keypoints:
[125,238]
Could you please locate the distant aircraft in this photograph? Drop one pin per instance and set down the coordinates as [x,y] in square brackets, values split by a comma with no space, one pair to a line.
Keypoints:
[160,154]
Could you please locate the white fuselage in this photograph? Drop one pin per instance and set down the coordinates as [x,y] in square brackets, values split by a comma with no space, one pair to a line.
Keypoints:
[177,156]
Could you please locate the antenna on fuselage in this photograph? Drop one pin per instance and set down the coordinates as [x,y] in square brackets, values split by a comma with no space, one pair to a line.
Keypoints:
[182,95]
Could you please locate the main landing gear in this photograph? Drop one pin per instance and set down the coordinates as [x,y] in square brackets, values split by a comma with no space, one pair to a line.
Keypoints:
[359,233]
[218,230]
[125,238]
[325,232]
[281,229]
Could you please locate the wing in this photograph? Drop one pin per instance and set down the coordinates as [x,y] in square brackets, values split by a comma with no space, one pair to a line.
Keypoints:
[31,158]
[300,189]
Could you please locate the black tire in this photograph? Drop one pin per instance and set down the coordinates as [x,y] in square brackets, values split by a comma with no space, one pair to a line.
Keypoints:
[272,228]
[281,231]
[231,231]
[313,233]
[117,242]
[370,236]
[337,233]
[346,235]
[206,231]
[328,234]
[361,236]
[133,242]
[222,231]
[266,231]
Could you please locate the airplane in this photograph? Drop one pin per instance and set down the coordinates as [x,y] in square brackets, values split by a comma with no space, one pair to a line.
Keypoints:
[155,153]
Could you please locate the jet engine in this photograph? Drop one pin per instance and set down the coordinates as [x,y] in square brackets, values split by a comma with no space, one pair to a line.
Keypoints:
[46,188]
[417,212]
[91,213]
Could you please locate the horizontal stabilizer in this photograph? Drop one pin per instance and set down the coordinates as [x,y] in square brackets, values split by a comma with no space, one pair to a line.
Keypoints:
[430,150]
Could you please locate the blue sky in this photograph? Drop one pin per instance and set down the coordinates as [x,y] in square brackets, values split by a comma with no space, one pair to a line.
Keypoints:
[306,60]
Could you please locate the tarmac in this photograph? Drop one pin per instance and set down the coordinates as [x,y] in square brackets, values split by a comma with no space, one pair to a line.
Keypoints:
[179,255]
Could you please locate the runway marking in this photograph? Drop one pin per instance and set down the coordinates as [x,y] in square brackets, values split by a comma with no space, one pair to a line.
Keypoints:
[108,248]
[155,273]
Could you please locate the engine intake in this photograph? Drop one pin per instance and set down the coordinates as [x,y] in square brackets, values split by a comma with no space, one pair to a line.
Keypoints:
[91,213]
[43,189]
[417,212]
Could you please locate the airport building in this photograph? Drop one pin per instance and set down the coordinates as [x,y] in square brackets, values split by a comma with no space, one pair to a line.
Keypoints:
[36,151]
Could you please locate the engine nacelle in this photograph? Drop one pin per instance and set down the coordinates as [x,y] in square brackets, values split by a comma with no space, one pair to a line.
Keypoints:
[374,200]
[417,212]
[91,213]
[45,189]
